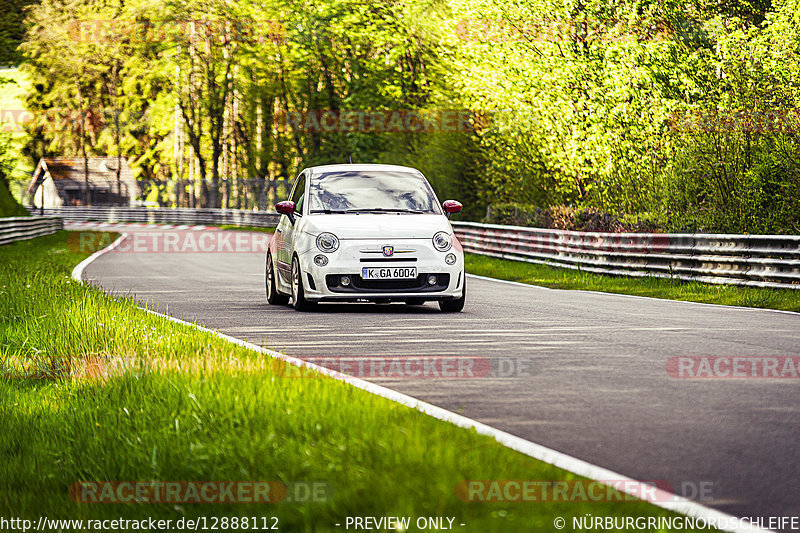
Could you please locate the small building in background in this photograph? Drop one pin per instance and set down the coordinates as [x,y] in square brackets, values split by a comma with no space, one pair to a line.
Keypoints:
[60,181]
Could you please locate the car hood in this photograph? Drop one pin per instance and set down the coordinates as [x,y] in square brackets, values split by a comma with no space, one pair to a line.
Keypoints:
[377,226]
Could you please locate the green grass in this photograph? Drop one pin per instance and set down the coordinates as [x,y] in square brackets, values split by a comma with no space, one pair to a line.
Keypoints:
[564,278]
[94,388]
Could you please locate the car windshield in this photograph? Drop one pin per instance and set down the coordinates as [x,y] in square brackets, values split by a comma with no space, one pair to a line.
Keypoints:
[372,192]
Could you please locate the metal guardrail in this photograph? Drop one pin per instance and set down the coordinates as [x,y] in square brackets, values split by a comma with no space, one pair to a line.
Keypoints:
[20,228]
[754,260]
[163,215]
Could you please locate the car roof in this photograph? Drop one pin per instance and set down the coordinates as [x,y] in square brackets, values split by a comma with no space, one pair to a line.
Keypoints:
[322,169]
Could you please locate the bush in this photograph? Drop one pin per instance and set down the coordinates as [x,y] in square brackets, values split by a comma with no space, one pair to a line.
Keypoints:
[564,217]
[8,205]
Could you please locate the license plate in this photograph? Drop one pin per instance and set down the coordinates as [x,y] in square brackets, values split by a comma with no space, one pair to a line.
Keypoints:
[389,273]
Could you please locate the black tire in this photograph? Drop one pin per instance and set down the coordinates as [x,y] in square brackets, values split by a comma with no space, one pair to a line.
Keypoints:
[273,296]
[456,305]
[298,294]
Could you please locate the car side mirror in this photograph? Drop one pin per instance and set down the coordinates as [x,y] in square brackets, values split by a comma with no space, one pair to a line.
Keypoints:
[451,206]
[286,208]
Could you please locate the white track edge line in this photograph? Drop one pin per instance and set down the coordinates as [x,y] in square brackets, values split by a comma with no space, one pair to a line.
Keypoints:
[537,451]
[77,272]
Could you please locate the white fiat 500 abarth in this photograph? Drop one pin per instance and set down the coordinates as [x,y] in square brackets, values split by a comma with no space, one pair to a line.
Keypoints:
[365,232]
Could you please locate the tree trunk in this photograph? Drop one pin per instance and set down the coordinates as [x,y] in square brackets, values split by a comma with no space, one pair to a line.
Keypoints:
[86,196]
[117,136]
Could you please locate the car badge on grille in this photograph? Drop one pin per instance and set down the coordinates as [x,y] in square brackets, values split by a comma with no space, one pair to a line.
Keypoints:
[388,251]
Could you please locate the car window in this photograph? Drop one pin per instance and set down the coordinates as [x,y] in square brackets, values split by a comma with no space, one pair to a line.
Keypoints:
[298,195]
[347,191]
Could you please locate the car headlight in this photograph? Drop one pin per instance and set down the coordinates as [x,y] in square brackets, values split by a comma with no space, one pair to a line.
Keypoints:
[442,241]
[327,242]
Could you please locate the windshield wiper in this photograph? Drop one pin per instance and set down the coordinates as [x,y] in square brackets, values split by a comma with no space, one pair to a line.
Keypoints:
[330,211]
[383,210]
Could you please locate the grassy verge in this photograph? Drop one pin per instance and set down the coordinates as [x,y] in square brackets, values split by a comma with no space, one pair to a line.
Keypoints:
[564,278]
[96,389]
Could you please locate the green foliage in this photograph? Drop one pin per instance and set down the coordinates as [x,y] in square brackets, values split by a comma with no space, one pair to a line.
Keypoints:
[12,30]
[604,101]
[567,218]
[655,110]
[9,207]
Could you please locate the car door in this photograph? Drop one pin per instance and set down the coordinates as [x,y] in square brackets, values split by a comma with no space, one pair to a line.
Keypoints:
[286,231]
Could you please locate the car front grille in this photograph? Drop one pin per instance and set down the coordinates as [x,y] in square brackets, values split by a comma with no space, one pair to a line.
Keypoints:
[357,284]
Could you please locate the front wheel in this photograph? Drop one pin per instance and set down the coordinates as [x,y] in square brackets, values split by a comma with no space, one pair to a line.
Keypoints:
[456,305]
[273,296]
[298,294]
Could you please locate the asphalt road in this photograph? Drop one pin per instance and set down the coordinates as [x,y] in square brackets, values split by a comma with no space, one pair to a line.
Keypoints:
[579,372]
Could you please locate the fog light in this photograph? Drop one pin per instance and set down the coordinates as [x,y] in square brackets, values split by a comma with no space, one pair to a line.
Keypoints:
[450,259]
[431,280]
[344,281]
[320,260]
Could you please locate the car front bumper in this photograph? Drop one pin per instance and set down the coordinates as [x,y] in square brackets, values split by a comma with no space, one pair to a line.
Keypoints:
[323,283]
